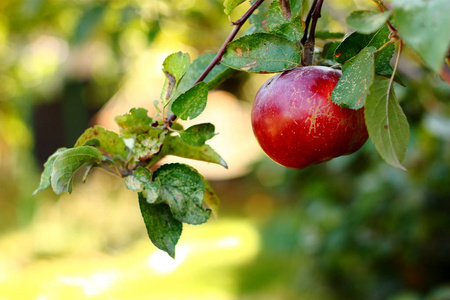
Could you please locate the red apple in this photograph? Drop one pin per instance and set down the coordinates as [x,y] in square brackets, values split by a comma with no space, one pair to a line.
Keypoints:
[297,124]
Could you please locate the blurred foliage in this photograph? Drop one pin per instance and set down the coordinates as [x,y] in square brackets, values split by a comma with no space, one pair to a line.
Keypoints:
[353,228]
[62,61]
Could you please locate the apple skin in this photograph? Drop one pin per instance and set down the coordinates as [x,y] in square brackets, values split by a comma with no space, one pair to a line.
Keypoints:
[297,124]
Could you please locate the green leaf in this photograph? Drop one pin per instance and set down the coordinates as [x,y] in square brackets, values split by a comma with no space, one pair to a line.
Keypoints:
[289,28]
[91,142]
[177,126]
[198,134]
[174,67]
[352,88]
[191,104]
[217,75]
[68,162]
[351,46]
[366,21]
[183,189]
[174,145]
[136,121]
[176,64]
[263,53]
[296,8]
[162,228]
[88,171]
[424,26]
[328,50]
[48,169]
[230,5]
[355,42]
[258,19]
[383,58]
[108,140]
[141,181]
[383,61]
[324,35]
[386,123]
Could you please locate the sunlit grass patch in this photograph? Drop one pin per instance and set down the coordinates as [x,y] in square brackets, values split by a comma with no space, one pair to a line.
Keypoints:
[205,263]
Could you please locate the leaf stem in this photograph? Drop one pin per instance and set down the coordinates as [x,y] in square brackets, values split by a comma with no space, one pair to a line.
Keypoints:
[388,99]
[110,159]
[237,26]
[104,168]
[385,45]
[397,60]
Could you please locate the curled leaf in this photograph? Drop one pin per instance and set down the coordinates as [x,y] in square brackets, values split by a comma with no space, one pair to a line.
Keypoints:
[174,67]
[48,169]
[68,162]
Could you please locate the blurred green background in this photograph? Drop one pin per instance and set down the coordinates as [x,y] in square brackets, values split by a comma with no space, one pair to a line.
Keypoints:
[353,228]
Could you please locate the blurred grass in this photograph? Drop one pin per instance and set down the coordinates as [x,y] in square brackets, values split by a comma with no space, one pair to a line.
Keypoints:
[204,267]
[89,246]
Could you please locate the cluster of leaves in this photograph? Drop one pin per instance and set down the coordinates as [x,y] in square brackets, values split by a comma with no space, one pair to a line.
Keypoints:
[173,193]
[364,56]
[177,193]
[271,44]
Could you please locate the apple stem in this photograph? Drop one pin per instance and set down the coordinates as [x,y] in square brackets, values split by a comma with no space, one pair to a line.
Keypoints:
[308,41]
[237,26]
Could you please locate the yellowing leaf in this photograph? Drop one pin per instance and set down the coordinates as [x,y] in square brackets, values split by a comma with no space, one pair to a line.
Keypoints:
[230,5]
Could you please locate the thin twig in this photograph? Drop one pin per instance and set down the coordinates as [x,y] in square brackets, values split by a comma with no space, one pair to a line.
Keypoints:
[385,45]
[308,40]
[315,17]
[237,26]
[307,21]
